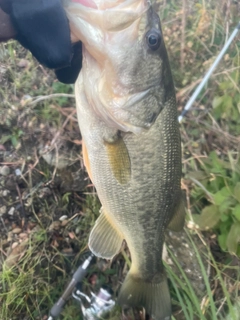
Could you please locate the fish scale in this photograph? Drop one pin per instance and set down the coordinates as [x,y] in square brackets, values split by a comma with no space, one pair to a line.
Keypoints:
[127,115]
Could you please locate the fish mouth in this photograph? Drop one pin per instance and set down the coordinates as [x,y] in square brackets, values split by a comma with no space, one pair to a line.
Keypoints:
[87,3]
[90,19]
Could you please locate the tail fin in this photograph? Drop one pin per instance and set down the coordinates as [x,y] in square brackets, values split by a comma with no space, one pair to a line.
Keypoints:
[154,297]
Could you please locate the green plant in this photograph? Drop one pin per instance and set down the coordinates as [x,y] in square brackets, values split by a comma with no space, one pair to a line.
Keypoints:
[14,137]
[217,197]
[185,298]
[226,107]
[59,87]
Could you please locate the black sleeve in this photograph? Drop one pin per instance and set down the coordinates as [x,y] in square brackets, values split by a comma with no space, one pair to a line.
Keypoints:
[70,73]
[42,27]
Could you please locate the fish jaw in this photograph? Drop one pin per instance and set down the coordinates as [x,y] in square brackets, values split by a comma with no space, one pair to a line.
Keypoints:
[93,21]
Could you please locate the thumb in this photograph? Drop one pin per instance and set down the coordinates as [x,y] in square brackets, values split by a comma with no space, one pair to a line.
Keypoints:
[7,30]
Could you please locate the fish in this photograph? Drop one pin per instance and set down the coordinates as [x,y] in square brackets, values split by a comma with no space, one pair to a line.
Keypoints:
[127,114]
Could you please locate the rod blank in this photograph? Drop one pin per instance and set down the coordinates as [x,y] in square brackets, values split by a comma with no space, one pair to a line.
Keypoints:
[208,74]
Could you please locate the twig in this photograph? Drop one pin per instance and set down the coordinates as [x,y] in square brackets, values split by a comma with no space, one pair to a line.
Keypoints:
[209,73]
[62,127]
[22,206]
[203,188]
[184,8]
[51,96]
[193,84]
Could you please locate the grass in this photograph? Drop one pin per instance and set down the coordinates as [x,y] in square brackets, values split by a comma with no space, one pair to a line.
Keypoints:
[39,251]
[188,301]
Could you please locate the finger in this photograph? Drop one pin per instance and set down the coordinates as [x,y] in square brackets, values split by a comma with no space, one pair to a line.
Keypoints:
[7,30]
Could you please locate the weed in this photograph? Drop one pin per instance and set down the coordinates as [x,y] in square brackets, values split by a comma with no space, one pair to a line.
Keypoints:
[217,183]
[187,302]
[14,137]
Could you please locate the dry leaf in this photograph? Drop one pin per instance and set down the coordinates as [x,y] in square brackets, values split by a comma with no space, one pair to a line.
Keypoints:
[71,235]
[15,254]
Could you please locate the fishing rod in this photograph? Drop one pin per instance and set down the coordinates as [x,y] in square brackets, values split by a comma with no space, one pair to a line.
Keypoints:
[97,304]
[208,74]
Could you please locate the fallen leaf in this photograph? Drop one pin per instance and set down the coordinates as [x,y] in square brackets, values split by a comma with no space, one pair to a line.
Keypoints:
[67,250]
[15,254]
[64,223]
[2,147]
[55,225]
[23,63]
[78,142]
[16,230]
[71,235]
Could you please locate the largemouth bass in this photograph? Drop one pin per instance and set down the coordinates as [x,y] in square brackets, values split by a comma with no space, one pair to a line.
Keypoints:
[128,119]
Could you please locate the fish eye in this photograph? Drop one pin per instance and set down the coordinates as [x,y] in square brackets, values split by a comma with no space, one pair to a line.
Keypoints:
[153,37]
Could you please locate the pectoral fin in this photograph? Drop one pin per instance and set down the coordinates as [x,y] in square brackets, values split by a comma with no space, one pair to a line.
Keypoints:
[105,240]
[178,219]
[119,160]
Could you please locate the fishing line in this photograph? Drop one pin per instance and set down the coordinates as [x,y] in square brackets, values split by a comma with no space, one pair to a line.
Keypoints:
[208,74]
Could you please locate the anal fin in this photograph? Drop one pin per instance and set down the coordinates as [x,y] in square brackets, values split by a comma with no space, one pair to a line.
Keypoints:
[105,240]
[178,219]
